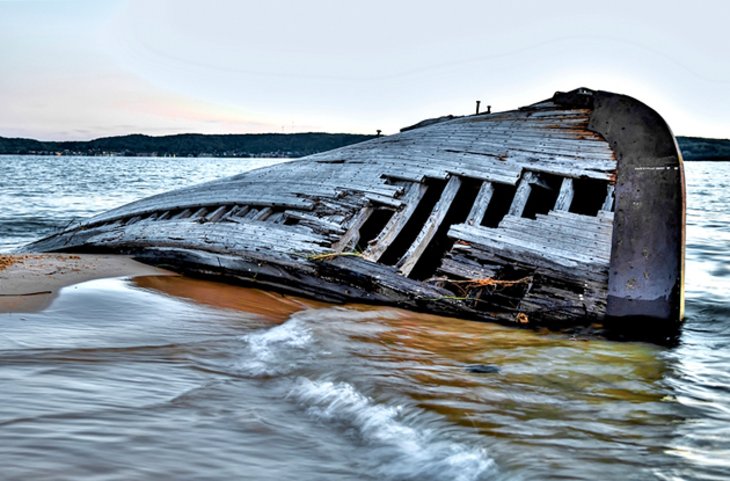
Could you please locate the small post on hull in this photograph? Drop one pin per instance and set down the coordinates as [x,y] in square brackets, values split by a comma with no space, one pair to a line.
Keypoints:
[489,109]
[378,132]
[478,103]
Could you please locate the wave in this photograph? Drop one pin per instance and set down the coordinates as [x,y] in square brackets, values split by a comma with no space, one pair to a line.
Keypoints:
[398,448]
[305,337]
[276,351]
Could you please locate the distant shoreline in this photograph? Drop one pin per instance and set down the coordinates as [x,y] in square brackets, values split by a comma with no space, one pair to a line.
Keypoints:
[271,156]
[258,146]
[188,145]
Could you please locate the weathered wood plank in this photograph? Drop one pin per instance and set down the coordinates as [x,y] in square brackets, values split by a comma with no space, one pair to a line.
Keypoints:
[499,239]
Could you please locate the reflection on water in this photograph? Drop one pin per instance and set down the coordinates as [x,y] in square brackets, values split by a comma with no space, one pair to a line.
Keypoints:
[268,304]
[173,378]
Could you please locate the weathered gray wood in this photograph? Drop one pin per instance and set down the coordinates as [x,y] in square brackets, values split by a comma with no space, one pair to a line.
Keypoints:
[199,213]
[608,203]
[218,213]
[481,203]
[413,195]
[565,196]
[316,222]
[430,227]
[276,218]
[384,200]
[350,239]
[184,214]
[236,211]
[500,239]
[524,188]
[263,214]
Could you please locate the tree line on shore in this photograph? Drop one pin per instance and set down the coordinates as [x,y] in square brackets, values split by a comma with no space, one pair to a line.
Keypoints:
[189,145]
[259,145]
[699,148]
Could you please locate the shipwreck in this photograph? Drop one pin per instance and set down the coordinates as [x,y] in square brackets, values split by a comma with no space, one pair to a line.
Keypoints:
[568,211]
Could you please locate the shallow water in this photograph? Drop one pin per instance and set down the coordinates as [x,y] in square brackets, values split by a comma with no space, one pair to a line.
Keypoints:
[173,378]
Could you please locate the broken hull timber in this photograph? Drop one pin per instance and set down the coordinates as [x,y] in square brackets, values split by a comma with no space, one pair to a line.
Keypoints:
[568,211]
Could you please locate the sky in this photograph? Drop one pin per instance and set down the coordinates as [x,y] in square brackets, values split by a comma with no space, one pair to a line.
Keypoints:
[82,69]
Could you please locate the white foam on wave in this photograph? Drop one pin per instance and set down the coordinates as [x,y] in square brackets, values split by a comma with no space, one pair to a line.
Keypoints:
[397,447]
[277,350]
[304,337]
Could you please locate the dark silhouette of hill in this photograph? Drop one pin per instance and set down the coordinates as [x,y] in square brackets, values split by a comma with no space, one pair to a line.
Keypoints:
[699,148]
[260,145]
[185,145]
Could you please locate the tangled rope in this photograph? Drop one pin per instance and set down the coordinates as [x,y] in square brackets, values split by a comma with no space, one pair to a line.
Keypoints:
[331,255]
[488,281]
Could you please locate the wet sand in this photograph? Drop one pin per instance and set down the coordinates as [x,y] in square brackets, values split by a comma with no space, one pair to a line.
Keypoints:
[29,282]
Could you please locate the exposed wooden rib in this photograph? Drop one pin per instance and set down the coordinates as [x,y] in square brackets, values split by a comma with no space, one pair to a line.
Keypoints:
[352,236]
[199,213]
[238,211]
[608,203]
[217,214]
[413,254]
[476,214]
[184,214]
[565,197]
[522,194]
[413,195]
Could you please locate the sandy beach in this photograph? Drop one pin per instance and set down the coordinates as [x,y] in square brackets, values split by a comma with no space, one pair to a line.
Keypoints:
[29,282]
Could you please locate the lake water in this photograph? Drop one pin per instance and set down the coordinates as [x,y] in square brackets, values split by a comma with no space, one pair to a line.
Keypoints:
[173,378]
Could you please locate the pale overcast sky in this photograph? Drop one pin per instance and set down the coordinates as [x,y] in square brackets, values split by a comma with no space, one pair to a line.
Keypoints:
[80,69]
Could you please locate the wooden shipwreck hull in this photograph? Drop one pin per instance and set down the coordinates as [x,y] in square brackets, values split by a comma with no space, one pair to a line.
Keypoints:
[570,210]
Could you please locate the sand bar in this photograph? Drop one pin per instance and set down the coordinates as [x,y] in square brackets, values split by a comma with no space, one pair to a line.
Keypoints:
[29,282]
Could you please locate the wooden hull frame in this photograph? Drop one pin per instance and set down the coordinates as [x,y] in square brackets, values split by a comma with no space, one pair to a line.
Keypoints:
[569,211]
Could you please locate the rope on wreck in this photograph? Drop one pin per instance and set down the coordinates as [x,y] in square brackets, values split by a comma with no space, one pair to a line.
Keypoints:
[520,317]
[331,255]
[464,284]
[489,281]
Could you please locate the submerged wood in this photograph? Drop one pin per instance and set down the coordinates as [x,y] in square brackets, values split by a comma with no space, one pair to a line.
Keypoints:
[570,210]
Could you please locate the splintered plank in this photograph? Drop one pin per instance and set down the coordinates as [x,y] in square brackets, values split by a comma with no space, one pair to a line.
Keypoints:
[429,229]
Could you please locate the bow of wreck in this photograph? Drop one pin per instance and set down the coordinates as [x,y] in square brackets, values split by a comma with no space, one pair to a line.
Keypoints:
[569,211]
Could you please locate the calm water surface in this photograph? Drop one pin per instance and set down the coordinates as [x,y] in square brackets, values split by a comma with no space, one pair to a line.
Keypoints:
[172,378]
